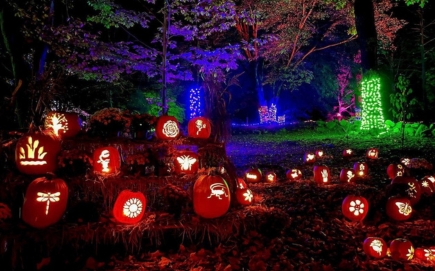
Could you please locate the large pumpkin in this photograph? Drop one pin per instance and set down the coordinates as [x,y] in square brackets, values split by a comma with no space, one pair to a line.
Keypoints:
[375,247]
[401,250]
[322,175]
[129,207]
[211,196]
[199,127]
[35,154]
[45,202]
[167,127]
[186,162]
[63,124]
[107,161]
[355,208]
[410,188]
[399,208]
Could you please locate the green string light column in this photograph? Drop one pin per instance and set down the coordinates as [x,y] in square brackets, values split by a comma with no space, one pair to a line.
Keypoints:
[371,113]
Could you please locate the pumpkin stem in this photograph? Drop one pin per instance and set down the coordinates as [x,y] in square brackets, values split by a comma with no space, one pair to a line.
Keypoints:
[49,176]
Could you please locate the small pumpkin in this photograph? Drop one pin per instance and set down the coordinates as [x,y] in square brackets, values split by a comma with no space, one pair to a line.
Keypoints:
[322,174]
[319,154]
[107,161]
[129,207]
[294,174]
[361,169]
[309,158]
[167,127]
[347,175]
[199,127]
[244,195]
[355,208]
[395,170]
[401,249]
[253,175]
[211,196]
[375,247]
[270,177]
[372,153]
[426,254]
[347,153]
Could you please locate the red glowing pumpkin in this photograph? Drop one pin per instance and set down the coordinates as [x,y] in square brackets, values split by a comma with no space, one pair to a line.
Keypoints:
[322,174]
[399,208]
[427,184]
[355,208]
[107,161]
[199,127]
[375,247]
[361,169]
[129,207]
[270,177]
[401,250]
[395,170]
[372,153]
[63,124]
[244,195]
[167,127]
[320,154]
[347,175]
[35,154]
[186,162]
[347,153]
[425,254]
[410,186]
[294,174]
[309,158]
[211,196]
[45,202]
[253,175]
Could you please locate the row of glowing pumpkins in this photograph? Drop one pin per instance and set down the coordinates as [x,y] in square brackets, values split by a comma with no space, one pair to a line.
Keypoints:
[46,200]
[68,125]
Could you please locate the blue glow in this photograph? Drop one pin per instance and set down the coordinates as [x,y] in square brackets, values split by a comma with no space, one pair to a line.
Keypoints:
[195,105]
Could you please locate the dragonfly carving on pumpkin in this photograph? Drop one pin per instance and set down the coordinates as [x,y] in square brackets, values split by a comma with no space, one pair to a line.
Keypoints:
[48,197]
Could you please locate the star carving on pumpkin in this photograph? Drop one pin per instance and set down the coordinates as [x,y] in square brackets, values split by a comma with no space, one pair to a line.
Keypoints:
[410,253]
[248,195]
[426,185]
[356,207]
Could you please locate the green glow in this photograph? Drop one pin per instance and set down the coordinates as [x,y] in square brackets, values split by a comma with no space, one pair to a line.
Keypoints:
[371,113]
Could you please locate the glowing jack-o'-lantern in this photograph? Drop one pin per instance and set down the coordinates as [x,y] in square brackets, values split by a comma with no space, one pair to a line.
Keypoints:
[253,175]
[320,154]
[401,249]
[425,254]
[372,153]
[395,170]
[355,208]
[410,188]
[361,169]
[347,153]
[199,127]
[211,196]
[294,174]
[45,202]
[167,127]
[129,207]
[244,195]
[186,162]
[322,174]
[347,175]
[309,158]
[63,124]
[399,208]
[35,154]
[427,184]
[375,247]
[107,161]
[270,177]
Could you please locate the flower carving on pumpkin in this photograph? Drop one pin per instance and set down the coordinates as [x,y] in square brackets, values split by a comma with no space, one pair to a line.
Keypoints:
[356,207]
[410,253]
[170,129]
[248,195]
[425,184]
[132,208]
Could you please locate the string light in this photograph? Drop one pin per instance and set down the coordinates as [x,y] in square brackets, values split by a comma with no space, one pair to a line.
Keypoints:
[371,113]
[195,102]
[268,115]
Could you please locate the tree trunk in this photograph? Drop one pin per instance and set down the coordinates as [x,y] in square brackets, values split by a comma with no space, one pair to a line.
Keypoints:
[258,73]
[366,29]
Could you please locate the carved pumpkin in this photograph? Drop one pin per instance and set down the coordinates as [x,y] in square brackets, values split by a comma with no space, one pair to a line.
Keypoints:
[107,161]
[167,127]
[425,254]
[253,175]
[199,127]
[347,153]
[63,124]
[398,208]
[309,158]
[322,174]
[294,174]
[410,186]
[35,154]
[320,154]
[270,177]
[401,250]
[361,169]
[211,196]
[427,184]
[347,175]
[372,153]
[45,202]
[244,195]
[355,208]
[395,170]
[375,247]
[129,207]
[186,162]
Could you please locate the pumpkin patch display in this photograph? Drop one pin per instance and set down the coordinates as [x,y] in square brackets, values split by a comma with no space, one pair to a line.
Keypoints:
[253,175]
[401,249]
[347,175]
[107,161]
[211,196]
[199,127]
[244,195]
[355,208]
[63,124]
[270,177]
[411,188]
[35,154]
[309,158]
[347,153]
[375,247]
[427,184]
[167,127]
[129,207]
[372,153]
[361,169]
[322,175]
[186,162]
[45,202]
[398,208]
[294,174]
[395,170]
[425,254]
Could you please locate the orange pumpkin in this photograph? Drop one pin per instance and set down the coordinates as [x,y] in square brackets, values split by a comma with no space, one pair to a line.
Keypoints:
[253,175]
[361,169]
[427,184]
[347,175]
[211,196]
[167,127]
[399,208]
[372,153]
[244,195]
[129,207]
[294,174]
[355,208]
[309,158]
[426,254]
[409,187]
[63,124]
[322,175]
[186,162]
[107,161]
[199,127]
[395,170]
[375,247]
[401,249]
[270,177]
[347,153]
